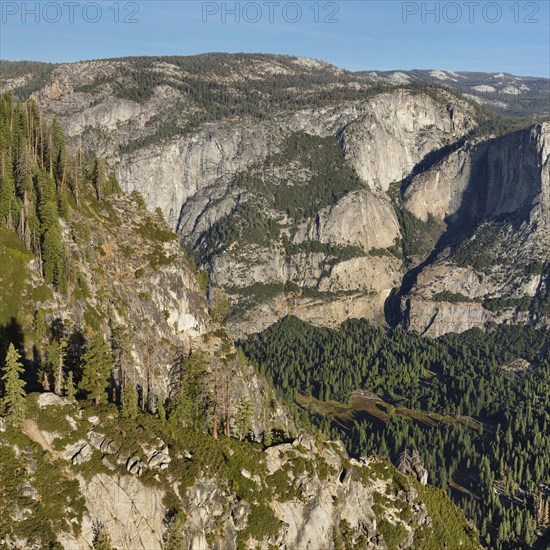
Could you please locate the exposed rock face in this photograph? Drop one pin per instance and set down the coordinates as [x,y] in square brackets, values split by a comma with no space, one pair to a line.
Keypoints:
[133,270]
[168,175]
[411,464]
[78,453]
[318,267]
[311,522]
[133,281]
[437,318]
[47,399]
[485,179]
[316,494]
[397,132]
[504,185]
[132,513]
[362,219]
[193,178]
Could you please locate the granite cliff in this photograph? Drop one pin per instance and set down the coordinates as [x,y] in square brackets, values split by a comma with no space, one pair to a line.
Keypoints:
[304,189]
[142,487]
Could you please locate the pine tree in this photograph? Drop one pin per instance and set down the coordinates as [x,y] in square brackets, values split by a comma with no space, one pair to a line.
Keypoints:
[70,390]
[45,375]
[404,465]
[14,388]
[112,185]
[219,305]
[243,420]
[185,409]
[7,199]
[56,363]
[161,411]
[529,529]
[99,178]
[268,437]
[121,346]
[39,329]
[130,408]
[53,259]
[96,369]
[174,538]
[102,539]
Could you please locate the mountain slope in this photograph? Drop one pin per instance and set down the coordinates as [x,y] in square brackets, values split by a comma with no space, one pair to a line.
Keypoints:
[504,93]
[158,433]
[285,176]
[142,484]
[495,198]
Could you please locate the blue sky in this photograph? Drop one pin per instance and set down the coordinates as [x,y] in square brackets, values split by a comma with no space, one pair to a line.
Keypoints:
[507,36]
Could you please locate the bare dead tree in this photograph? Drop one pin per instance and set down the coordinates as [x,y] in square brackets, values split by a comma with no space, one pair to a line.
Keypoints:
[404,464]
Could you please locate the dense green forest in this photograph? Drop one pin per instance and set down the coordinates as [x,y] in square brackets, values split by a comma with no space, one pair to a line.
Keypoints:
[490,448]
[38,182]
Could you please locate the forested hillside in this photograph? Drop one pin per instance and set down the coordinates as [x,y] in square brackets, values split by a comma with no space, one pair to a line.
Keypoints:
[303,192]
[476,406]
[127,416]
[39,182]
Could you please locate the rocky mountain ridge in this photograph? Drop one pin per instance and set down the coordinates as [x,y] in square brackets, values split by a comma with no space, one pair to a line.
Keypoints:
[127,482]
[502,92]
[507,253]
[319,205]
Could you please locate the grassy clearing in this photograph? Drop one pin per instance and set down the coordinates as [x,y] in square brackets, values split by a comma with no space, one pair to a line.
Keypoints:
[376,410]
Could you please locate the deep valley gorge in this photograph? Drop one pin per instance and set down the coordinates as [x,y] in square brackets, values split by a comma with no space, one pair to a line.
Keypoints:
[258,301]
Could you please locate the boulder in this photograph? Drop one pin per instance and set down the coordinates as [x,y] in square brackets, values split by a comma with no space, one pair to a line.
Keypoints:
[48,399]
[159,460]
[78,452]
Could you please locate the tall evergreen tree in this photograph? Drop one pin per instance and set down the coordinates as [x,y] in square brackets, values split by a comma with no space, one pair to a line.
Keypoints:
[174,538]
[130,407]
[185,409]
[70,389]
[52,245]
[97,363]
[56,358]
[7,199]
[99,178]
[14,388]
[243,419]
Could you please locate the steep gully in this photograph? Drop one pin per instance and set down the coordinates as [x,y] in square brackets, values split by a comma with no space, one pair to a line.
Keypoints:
[460,225]
[393,312]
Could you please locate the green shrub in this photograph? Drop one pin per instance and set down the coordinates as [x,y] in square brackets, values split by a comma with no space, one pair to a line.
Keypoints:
[452,297]
[154,232]
[394,535]
[138,198]
[262,522]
